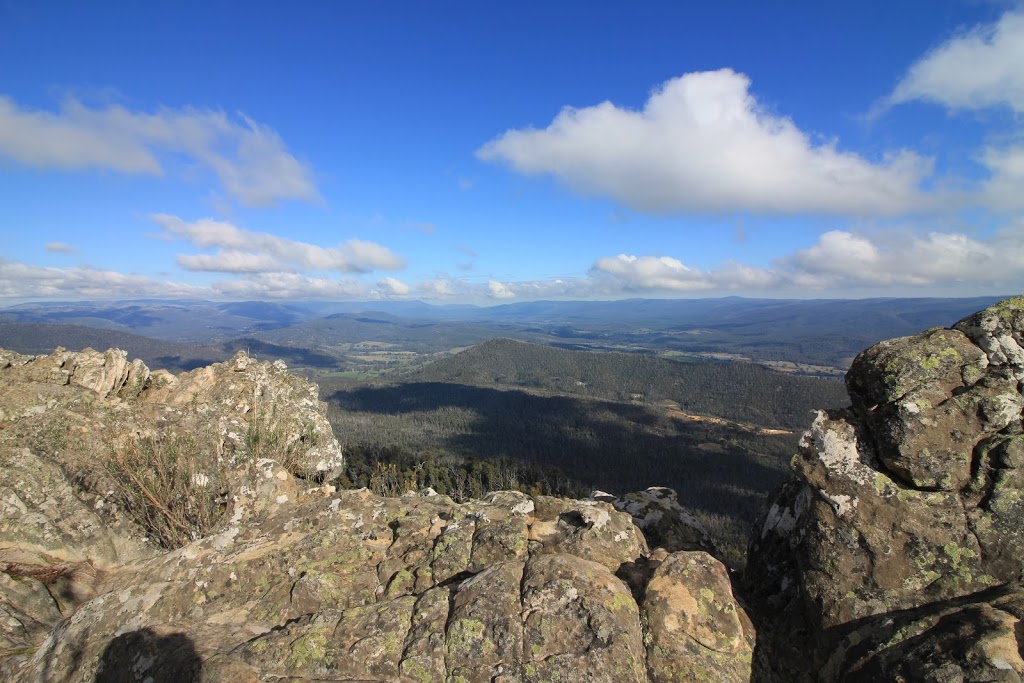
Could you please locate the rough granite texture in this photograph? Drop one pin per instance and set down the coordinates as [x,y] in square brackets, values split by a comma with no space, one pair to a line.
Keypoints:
[299,582]
[875,563]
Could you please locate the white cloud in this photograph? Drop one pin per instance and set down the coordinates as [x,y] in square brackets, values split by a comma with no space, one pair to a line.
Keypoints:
[499,290]
[978,69]
[702,143]
[250,160]
[1004,189]
[653,272]
[23,281]
[394,287]
[60,248]
[837,262]
[842,259]
[291,286]
[244,251]
[438,288]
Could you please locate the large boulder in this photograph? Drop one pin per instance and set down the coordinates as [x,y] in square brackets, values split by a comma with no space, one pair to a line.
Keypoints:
[903,504]
[87,439]
[665,523]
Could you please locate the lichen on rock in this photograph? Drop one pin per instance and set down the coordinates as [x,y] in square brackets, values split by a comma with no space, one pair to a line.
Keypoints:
[294,580]
[905,504]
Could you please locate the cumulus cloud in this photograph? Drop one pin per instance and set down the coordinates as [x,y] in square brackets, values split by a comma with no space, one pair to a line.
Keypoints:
[838,261]
[981,68]
[394,287]
[23,281]
[60,248]
[702,143]
[249,159]
[245,251]
[653,272]
[842,259]
[499,290]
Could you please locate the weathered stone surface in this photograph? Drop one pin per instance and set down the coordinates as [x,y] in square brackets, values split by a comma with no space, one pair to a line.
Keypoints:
[970,639]
[664,521]
[63,527]
[924,407]
[298,582]
[903,504]
[698,632]
[341,588]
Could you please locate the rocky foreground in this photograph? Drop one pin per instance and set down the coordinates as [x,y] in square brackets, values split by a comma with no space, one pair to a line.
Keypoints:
[175,528]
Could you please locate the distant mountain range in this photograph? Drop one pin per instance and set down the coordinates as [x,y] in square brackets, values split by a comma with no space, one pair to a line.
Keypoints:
[823,333]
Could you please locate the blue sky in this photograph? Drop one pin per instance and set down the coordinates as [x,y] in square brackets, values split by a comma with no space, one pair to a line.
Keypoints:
[495,152]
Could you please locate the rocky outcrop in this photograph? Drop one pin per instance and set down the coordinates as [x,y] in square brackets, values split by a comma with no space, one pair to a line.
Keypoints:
[295,581]
[665,522]
[69,518]
[898,548]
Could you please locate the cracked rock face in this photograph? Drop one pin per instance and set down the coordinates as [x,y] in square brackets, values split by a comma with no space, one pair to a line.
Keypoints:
[298,582]
[352,586]
[904,504]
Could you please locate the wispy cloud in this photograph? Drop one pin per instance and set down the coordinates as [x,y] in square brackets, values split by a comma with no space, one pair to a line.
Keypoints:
[292,286]
[981,68]
[245,251]
[426,228]
[703,143]
[249,159]
[60,248]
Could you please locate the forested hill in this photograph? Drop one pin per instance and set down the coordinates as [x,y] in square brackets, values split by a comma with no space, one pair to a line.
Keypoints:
[735,391]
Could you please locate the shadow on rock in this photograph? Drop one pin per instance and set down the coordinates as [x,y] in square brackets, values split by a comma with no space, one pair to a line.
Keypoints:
[144,655]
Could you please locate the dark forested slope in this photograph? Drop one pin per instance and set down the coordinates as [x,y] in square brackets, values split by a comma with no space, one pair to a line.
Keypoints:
[735,391]
[499,411]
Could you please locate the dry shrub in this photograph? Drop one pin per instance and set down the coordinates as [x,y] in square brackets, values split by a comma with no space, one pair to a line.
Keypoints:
[172,486]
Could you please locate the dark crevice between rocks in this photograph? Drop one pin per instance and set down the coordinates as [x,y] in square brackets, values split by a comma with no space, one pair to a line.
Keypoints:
[984,471]
[574,519]
[456,579]
[393,525]
[277,628]
[450,584]
[291,590]
[636,574]
[409,639]
[857,640]
[869,451]
[526,656]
